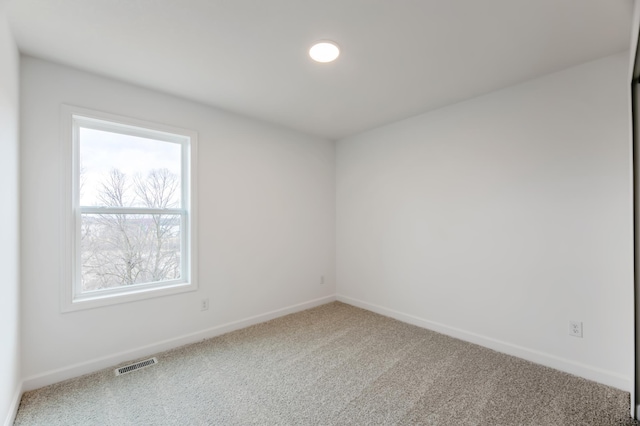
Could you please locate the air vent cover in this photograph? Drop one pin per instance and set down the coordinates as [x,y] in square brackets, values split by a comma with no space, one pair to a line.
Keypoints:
[136,366]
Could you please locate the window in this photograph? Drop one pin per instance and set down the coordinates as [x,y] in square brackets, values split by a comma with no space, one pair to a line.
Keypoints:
[130,215]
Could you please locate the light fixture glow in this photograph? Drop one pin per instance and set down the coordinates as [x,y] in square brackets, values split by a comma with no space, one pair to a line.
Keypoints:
[324,51]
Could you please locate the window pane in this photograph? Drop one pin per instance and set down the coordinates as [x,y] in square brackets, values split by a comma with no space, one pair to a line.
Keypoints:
[119,170]
[119,250]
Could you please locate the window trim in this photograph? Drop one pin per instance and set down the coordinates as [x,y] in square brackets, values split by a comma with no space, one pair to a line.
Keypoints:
[71,299]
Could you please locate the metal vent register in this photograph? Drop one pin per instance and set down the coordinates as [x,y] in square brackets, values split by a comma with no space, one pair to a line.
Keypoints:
[136,366]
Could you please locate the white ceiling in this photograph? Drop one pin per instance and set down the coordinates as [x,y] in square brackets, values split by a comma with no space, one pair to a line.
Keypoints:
[399,57]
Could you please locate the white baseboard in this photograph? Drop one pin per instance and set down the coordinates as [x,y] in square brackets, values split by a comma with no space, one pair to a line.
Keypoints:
[55,376]
[595,374]
[13,408]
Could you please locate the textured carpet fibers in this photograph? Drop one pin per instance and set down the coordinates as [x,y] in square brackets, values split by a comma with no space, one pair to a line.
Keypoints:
[331,365]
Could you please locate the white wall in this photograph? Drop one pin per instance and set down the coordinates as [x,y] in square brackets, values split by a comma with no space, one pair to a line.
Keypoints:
[9,231]
[496,220]
[266,226]
[500,219]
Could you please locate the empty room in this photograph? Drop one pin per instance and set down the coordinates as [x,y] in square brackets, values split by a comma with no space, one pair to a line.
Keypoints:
[286,212]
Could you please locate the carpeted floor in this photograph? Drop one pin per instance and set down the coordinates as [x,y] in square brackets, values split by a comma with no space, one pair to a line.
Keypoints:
[332,365]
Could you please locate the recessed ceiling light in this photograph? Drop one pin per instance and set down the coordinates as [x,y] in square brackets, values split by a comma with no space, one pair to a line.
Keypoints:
[324,51]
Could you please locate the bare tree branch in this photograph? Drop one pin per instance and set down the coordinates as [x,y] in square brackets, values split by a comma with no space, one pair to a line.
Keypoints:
[126,249]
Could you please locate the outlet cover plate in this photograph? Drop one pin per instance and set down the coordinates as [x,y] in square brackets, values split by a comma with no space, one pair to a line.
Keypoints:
[575,328]
[204,304]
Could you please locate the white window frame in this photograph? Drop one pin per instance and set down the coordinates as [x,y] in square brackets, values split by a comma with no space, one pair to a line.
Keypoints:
[72,299]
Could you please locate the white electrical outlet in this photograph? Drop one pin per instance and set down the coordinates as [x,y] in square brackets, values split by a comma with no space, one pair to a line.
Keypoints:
[575,328]
[204,304]
[321,279]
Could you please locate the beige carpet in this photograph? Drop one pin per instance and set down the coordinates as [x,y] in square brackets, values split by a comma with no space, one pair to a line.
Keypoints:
[332,365]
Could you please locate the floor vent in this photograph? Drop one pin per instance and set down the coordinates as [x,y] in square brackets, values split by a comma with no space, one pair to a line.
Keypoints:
[137,366]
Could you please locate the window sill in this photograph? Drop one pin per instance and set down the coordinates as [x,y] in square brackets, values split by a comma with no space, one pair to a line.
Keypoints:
[102,300]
